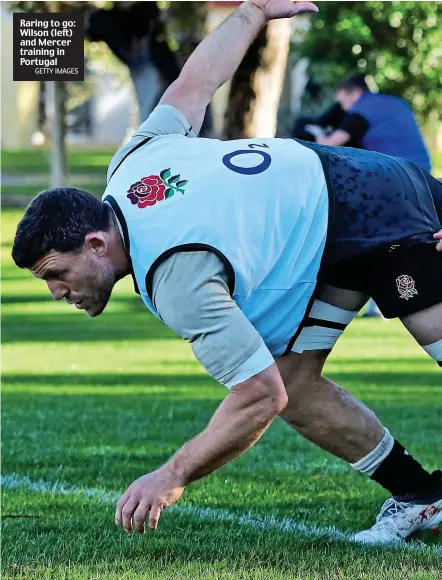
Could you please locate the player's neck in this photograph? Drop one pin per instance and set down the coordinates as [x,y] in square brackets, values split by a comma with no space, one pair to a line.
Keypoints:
[118,255]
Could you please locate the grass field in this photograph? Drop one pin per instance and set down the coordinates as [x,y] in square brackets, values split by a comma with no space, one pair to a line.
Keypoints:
[37,161]
[90,405]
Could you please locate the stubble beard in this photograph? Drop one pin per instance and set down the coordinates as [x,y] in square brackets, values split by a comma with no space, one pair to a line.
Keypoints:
[101,298]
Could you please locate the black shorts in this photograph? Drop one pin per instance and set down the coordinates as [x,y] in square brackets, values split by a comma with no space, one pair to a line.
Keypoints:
[384,212]
[402,280]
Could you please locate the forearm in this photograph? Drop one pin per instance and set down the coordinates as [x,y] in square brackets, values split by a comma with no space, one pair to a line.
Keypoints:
[217,57]
[238,423]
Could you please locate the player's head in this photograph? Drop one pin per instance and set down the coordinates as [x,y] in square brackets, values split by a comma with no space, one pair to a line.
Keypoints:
[66,238]
[349,91]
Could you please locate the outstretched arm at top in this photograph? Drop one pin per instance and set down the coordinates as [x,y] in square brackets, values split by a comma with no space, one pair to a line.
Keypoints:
[218,56]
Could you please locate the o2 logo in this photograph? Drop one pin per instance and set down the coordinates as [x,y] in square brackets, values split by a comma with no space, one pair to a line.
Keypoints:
[266,160]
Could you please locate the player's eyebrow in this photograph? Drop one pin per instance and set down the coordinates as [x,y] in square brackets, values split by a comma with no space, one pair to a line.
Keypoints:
[48,273]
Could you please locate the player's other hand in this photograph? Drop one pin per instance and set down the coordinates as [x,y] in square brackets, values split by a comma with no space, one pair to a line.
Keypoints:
[274,9]
[150,494]
[438,236]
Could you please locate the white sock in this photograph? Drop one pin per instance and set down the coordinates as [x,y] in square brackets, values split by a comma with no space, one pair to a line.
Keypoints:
[372,461]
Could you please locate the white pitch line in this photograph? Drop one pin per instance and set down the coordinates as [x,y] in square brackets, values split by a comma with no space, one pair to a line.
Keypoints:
[260,522]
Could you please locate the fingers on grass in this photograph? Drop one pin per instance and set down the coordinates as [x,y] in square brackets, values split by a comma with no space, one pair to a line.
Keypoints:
[128,512]
[140,516]
[121,503]
[154,516]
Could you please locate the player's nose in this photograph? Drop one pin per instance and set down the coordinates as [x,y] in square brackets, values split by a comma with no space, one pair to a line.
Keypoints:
[58,290]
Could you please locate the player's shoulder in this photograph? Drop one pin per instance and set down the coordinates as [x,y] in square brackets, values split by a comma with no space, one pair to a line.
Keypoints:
[164,121]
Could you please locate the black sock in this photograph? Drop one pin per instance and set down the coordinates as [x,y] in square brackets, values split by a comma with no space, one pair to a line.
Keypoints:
[401,474]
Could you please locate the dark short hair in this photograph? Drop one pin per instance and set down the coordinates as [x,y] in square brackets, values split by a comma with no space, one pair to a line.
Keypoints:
[58,219]
[352,82]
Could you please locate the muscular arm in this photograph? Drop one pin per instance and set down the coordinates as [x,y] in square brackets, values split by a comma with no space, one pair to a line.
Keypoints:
[218,56]
[191,295]
[238,423]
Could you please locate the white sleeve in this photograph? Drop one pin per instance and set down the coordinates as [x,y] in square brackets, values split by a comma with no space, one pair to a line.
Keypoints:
[165,120]
[191,295]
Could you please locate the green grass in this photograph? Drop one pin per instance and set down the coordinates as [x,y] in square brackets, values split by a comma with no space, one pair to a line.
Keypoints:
[96,403]
[37,161]
[29,191]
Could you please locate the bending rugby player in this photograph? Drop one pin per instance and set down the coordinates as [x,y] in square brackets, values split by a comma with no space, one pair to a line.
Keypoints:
[259,252]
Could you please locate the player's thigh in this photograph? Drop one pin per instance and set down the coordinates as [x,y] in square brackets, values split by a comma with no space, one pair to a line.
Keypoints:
[331,312]
[426,327]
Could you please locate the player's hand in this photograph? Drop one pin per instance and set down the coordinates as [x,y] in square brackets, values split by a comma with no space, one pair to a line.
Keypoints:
[438,236]
[274,9]
[150,494]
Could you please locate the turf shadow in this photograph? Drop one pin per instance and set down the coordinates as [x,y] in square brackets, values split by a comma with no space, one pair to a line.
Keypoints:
[75,327]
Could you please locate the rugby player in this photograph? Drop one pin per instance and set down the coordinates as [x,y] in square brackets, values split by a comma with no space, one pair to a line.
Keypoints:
[259,252]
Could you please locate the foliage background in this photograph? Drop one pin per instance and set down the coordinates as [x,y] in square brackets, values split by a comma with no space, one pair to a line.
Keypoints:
[398,45]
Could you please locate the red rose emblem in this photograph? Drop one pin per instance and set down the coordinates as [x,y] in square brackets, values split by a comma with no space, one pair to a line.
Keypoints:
[147,191]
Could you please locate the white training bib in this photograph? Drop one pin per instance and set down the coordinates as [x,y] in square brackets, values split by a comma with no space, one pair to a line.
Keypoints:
[261,205]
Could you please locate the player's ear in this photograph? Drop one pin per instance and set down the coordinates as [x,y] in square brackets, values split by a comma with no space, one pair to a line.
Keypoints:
[97,243]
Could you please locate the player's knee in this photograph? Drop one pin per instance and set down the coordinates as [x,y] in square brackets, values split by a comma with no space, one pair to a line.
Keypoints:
[300,371]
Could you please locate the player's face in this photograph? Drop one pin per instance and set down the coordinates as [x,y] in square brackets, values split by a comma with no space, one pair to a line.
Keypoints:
[346,99]
[82,278]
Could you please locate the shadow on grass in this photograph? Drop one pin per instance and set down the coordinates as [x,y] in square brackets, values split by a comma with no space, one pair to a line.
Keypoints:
[110,380]
[133,301]
[389,378]
[392,380]
[75,327]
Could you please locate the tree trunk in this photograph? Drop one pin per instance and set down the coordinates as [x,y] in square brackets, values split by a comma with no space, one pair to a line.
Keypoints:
[136,34]
[256,87]
[58,130]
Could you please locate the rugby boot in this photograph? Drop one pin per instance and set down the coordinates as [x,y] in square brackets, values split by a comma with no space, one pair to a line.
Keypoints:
[402,516]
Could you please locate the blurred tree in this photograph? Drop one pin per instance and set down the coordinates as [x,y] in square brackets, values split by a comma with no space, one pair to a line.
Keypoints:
[57,90]
[398,45]
[257,85]
[136,34]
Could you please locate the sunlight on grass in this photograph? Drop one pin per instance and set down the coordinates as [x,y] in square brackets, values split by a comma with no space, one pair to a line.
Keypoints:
[97,403]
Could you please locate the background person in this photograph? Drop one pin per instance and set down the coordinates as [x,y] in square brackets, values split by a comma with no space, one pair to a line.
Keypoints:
[380,122]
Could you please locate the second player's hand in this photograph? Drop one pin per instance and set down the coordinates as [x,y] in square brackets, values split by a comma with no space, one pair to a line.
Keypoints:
[150,494]
[438,236]
[274,9]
